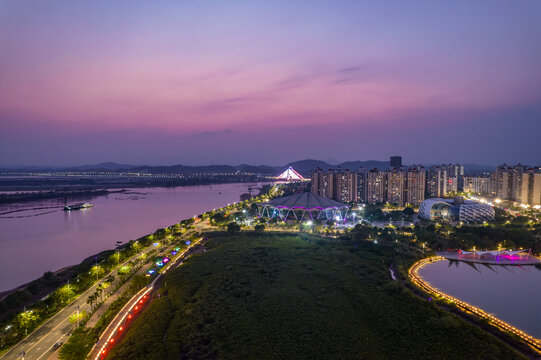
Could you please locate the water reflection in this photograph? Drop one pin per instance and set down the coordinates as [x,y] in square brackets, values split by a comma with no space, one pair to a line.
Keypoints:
[512,293]
[40,236]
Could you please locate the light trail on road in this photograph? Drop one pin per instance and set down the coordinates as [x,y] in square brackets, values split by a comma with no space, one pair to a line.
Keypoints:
[113,329]
[39,343]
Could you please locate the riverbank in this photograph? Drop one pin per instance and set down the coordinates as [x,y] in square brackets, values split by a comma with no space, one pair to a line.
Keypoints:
[31,184]
[22,296]
[28,196]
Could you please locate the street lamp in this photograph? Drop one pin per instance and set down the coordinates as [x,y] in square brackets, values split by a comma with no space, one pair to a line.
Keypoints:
[96,270]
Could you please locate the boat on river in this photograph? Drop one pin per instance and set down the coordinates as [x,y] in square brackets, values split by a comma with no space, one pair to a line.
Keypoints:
[77,206]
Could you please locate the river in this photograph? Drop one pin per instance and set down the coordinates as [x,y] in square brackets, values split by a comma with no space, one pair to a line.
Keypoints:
[511,293]
[44,237]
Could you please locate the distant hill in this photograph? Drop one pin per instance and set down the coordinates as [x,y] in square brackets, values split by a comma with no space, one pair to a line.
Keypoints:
[185,169]
[101,166]
[304,167]
[258,169]
[368,164]
[105,166]
[14,167]
[474,169]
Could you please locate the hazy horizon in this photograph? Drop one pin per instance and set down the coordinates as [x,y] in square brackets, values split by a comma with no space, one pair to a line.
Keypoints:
[328,161]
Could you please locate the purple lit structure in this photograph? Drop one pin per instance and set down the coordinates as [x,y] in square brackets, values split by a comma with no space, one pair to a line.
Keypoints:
[503,257]
[304,206]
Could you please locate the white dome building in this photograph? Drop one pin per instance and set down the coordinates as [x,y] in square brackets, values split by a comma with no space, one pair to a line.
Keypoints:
[455,210]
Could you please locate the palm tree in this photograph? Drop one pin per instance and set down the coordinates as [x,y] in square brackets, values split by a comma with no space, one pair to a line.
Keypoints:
[90,301]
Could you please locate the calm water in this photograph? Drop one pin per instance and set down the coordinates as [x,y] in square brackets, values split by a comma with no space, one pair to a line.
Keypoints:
[44,237]
[511,293]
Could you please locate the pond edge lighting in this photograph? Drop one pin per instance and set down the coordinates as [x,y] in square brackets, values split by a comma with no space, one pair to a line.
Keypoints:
[414,276]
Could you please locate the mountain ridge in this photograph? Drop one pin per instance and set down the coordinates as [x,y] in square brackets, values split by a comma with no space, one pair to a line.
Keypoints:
[304,167]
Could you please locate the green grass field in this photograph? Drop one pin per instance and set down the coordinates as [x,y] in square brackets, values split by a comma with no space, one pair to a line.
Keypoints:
[261,296]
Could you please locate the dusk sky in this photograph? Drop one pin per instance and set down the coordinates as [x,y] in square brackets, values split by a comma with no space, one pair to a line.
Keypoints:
[210,82]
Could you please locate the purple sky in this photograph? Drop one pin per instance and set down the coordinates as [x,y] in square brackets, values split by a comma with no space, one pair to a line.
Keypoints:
[202,82]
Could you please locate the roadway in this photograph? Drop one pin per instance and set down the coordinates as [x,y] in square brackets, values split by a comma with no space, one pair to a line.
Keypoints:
[38,344]
[100,349]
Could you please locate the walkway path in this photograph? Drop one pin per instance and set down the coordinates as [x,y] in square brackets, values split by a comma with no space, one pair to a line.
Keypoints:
[38,344]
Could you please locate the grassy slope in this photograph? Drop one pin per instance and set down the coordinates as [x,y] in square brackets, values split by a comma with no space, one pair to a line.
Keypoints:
[281,297]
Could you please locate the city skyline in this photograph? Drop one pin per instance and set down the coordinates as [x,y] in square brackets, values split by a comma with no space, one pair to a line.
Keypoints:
[245,82]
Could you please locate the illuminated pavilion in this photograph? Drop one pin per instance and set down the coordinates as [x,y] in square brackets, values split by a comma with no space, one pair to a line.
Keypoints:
[290,174]
[304,206]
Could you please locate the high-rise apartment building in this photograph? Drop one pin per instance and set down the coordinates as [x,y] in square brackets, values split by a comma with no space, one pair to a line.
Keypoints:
[436,182]
[530,193]
[396,187]
[375,186]
[454,170]
[345,186]
[415,187]
[395,162]
[452,185]
[323,183]
[335,184]
[477,185]
[506,182]
[361,184]
[500,184]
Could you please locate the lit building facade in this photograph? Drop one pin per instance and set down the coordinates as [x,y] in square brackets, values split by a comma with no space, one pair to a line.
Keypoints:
[345,186]
[361,185]
[477,185]
[396,187]
[375,186]
[531,188]
[323,183]
[335,184]
[506,182]
[454,170]
[451,185]
[436,181]
[416,185]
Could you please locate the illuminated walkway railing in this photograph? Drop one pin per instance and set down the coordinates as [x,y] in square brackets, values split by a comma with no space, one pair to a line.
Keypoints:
[502,325]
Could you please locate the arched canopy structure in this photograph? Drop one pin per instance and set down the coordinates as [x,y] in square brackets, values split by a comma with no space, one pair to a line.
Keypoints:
[290,174]
[304,206]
